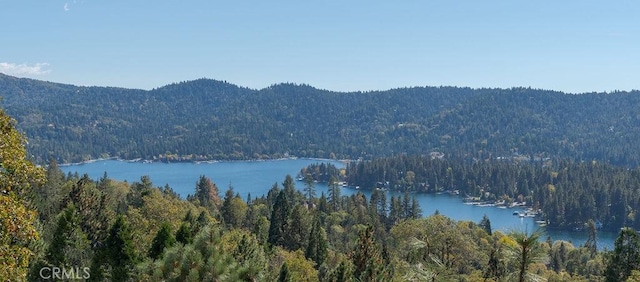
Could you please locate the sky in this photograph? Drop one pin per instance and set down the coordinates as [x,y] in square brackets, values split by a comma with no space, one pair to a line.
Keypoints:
[571,46]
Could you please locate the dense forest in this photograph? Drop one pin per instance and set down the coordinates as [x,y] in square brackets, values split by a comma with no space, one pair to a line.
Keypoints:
[104,230]
[569,194]
[209,119]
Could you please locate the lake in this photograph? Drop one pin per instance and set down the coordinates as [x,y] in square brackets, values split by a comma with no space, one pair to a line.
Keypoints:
[257,177]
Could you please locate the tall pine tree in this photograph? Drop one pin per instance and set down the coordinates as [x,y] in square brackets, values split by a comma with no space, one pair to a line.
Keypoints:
[279,220]
[625,257]
[317,250]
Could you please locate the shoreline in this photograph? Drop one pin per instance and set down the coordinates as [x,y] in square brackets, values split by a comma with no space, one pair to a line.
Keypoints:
[141,160]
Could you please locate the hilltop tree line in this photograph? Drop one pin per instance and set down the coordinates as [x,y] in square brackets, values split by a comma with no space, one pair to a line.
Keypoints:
[208,119]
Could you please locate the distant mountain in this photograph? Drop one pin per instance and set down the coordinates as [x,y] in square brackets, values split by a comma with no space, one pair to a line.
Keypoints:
[210,119]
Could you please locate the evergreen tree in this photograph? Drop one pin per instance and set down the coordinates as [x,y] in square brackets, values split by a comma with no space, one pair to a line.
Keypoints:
[342,273]
[416,211]
[317,250]
[207,193]
[524,250]
[139,190]
[309,187]
[485,224]
[367,259]
[298,228]
[284,275]
[323,205]
[227,210]
[120,250]
[495,266]
[234,209]
[591,243]
[201,222]
[395,211]
[334,194]
[184,234]
[68,244]
[251,254]
[279,220]
[406,206]
[162,240]
[625,257]
[290,190]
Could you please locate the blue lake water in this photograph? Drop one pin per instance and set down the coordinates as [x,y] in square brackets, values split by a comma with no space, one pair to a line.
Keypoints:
[257,177]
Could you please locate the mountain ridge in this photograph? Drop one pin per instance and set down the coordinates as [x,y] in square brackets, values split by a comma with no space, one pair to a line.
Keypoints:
[207,119]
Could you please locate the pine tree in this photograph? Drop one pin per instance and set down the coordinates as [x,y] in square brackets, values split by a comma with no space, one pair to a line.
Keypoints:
[367,259]
[279,220]
[317,250]
[309,187]
[120,250]
[625,257]
[201,222]
[395,211]
[250,253]
[298,228]
[207,193]
[184,234]
[69,244]
[55,252]
[334,194]
[284,275]
[290,190]
[226,210]
[495,266]
[162,240]
[342,273]
[406,206]
[524,251]
[323,205]
[591,243]
[485,224]
[416,211]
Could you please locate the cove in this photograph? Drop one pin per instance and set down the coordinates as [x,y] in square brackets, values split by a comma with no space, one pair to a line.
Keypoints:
[257,177]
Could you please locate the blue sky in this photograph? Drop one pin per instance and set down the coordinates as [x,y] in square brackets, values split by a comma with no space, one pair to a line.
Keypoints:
[571,46]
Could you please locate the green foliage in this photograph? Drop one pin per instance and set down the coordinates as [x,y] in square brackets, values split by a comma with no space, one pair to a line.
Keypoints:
[284,275]
[250,254]
[317,249]
[485,224]
[298,228]
[119,250]
[208,119]
[625,257]
[184,235]
[298,268]
[367,258]
[341,241]
[234,209]
[207,194]
[523,249]
[279,221]
[17,221]
[164,239]
[204,260]
[68,244]
[569,194]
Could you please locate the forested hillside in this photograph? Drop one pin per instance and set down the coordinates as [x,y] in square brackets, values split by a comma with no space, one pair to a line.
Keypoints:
[57,226]
[209,119]
[567,194]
